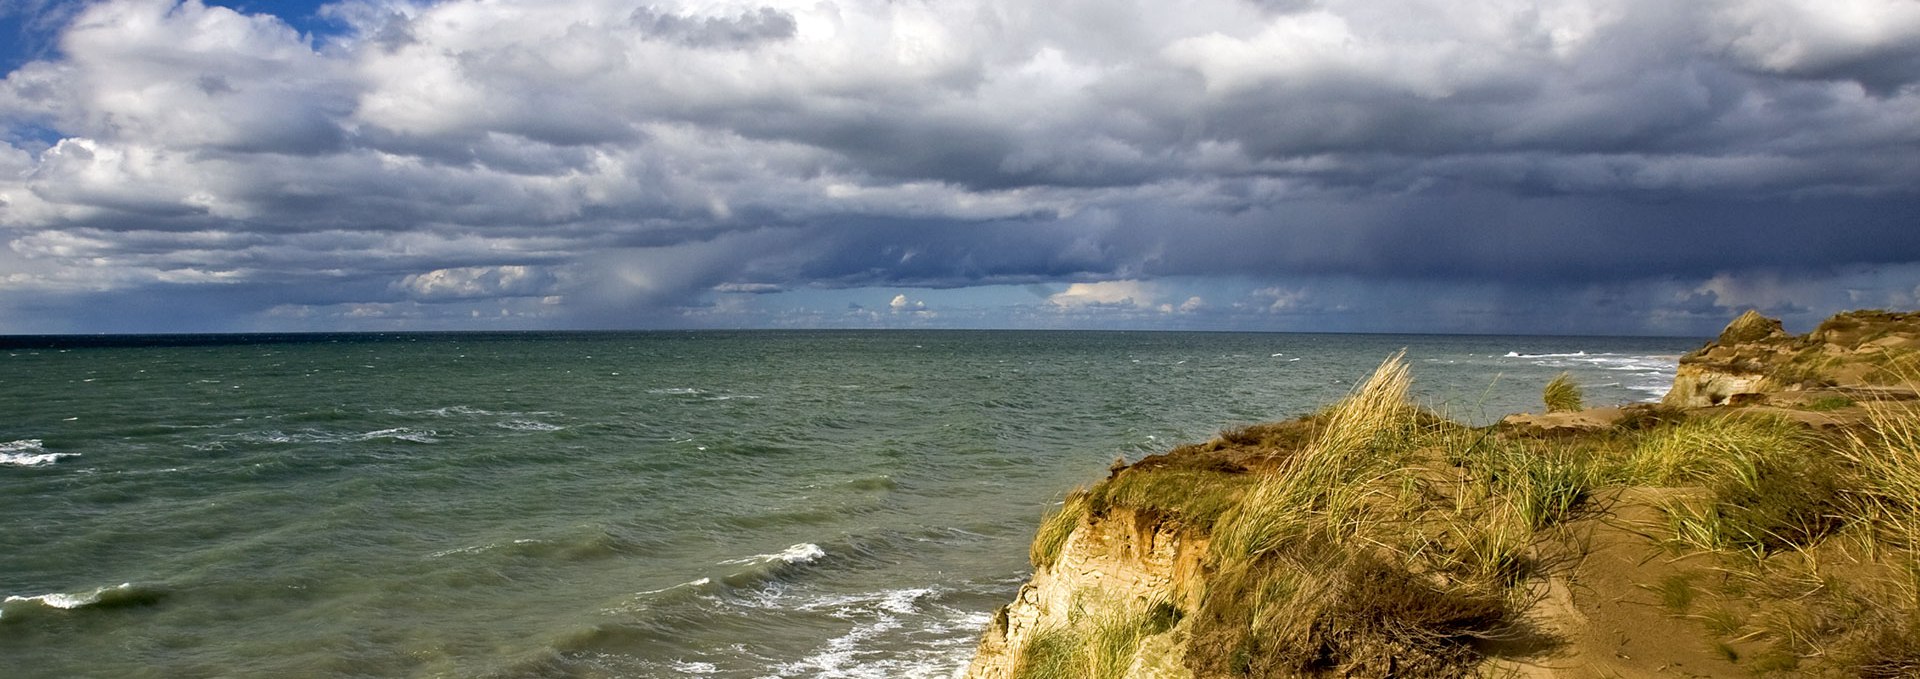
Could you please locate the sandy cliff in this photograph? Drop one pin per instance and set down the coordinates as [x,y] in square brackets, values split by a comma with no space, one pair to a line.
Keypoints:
[1748,525]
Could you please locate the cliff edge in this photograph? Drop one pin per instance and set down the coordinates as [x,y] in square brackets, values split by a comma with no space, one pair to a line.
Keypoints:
[1868,353]
[1761,520]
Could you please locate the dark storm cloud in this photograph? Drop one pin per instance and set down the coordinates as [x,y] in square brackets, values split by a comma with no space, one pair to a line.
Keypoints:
[598,163]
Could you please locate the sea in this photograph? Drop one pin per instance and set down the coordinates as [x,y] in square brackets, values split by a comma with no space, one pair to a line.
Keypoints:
[617,504]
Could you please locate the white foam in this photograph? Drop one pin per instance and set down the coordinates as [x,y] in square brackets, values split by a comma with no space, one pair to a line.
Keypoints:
[939,639]
[528,425]
[676,391]
[399,433]
[1651,374]
[804,552]
[28,453]
[702,582]
[695,667]
[64,601]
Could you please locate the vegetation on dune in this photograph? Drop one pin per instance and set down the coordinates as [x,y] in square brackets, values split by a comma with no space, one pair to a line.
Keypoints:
[1561,394]
[1376,539]
[1055,528]
[1098,641]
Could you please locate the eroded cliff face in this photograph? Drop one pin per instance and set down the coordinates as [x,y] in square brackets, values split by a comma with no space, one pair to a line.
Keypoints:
[1122,559]
[1859,351]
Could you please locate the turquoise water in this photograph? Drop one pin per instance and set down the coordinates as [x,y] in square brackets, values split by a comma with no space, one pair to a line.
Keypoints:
[750,504]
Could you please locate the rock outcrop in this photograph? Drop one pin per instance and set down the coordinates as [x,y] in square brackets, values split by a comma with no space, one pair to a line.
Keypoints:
[1858,352]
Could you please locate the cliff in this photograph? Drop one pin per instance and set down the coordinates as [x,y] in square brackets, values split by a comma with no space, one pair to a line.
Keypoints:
[1857,352]
[1770,530]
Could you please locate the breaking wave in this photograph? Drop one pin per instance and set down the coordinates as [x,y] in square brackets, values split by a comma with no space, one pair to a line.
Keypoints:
[28,453]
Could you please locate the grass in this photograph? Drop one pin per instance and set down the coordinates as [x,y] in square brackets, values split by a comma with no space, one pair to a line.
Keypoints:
[1748,327]
[1097,641]
[1698,449]
[1373,539]
[1544,483]
[1327,563]
[1561,394]
[1055,529]
[1342,613]
[1325,487]
[1887,456]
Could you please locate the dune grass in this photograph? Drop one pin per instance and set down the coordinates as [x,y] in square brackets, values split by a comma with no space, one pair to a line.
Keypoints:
[1055,528]
[1561,394]
[1098,640]
[1325,487]
[1193,497]
[1374,539]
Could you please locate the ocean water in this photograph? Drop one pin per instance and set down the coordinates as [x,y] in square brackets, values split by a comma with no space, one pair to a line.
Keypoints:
[725,504]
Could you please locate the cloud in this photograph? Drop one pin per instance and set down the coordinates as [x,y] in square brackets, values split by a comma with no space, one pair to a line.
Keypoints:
[901,304]
[636,163]
[477,282]
[1119,294]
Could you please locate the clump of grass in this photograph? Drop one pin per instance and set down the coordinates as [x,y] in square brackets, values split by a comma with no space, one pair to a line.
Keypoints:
[1887,455]
[1675,592]
[1340,613]
[1097,641]
[1561,394]
[1545,484]
[1338,561]
[1196,497]
[1749,327]
[1767,490]
[1325,486]
[1698,449]
[1056,528]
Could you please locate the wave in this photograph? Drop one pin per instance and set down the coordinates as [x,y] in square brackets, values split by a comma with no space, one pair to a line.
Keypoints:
[408,434]
[465,411]
[1651,374]
[584,547]
[1516,354]
[903,632]
[528,425]
[123,595]
[762,568]
[29,453]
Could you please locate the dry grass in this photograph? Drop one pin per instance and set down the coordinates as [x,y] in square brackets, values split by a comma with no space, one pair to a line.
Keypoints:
[1325,487]
[1097,641]
[1055,529]
[1373,539]
[1699,449]
[1561,394]
[1748,327]
[1319,568]
[1193,497]
[1340,613]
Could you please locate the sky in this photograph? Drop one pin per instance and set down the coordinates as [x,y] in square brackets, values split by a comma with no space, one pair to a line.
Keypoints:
[1481,166]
